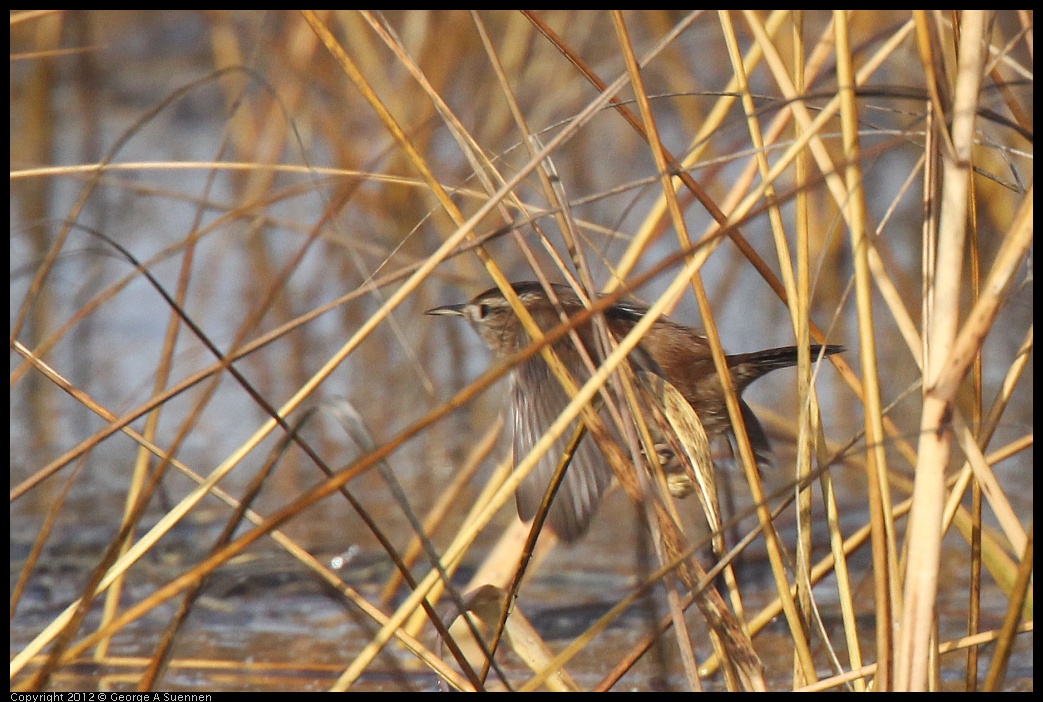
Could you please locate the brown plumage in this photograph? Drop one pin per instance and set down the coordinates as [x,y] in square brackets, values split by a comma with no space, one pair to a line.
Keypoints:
[677,353]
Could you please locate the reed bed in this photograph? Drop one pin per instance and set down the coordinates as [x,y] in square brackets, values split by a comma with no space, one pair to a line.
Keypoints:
[226,228]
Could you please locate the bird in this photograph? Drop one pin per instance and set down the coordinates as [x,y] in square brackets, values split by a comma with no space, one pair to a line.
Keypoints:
[674,352]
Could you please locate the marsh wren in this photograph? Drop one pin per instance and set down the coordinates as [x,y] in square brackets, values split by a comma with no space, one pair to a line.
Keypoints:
[679,354]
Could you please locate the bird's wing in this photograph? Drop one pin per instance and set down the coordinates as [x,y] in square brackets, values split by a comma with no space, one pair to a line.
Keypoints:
[535,404]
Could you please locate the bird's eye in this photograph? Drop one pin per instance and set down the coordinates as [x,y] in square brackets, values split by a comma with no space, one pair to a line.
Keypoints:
[481,310]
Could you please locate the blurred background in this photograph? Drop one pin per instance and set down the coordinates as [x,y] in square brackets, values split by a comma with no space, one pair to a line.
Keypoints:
[246,166]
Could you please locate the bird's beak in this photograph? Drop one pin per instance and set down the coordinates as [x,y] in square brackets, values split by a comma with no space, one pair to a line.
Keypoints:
[449,310]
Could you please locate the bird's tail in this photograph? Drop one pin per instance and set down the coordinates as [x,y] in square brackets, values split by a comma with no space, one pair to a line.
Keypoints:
[747,367]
